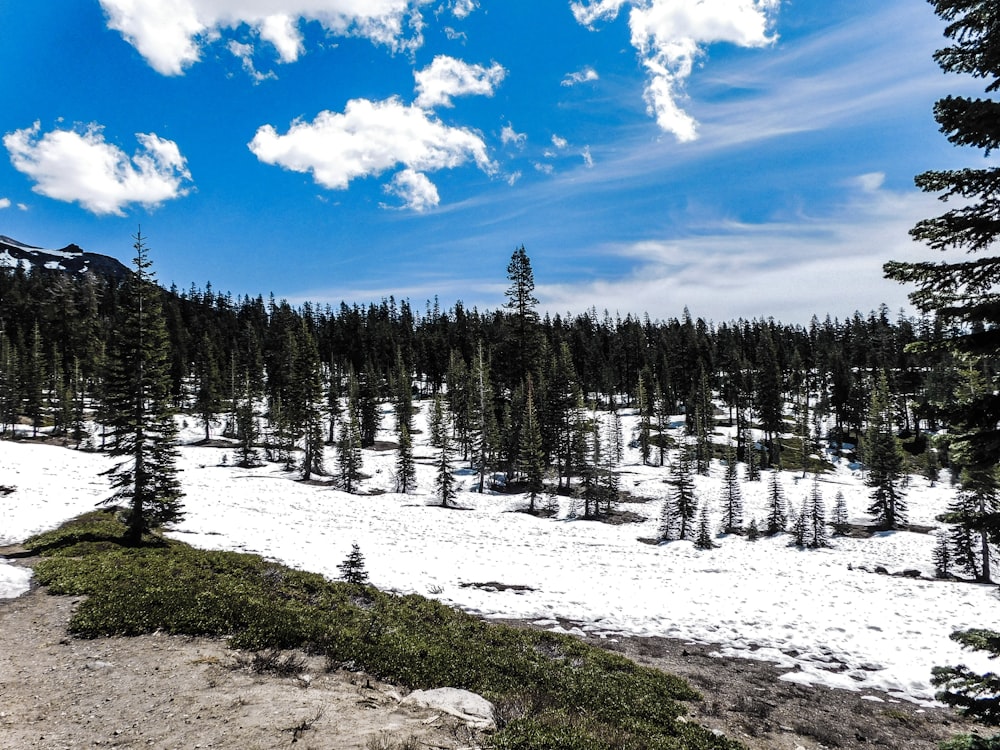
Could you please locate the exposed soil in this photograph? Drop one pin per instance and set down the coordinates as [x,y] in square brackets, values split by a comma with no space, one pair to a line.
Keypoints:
[160,691]
[745,700]
[164,692]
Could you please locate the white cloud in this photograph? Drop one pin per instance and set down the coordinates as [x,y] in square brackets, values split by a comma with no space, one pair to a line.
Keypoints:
[544,168]
[588,158]
[22,206]
[170,34]
[585,75]
[4,203]
[446,77]
[513,178]
[368,139]
[244,53]
[462,8]
[558,142]
[416,190]
[83,168]
[510,136]
[670,35]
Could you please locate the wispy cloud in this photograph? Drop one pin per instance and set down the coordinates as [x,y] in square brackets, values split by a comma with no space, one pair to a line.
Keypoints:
[509,136]
[171,35]
[4,203]
[82,167]
[586,75]
[830,263]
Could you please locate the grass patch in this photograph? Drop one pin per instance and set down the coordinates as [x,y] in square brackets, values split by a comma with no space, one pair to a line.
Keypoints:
[557,692]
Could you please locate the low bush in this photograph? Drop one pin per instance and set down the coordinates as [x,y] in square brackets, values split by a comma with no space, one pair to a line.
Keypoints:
[567,694]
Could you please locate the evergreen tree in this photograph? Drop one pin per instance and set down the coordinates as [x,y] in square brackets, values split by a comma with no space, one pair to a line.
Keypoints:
[531,461]
[776,517]
[942,555]
[753,532]
[445,479]
[963,292]
[840,521]
[976,500]
[349,461]
[140,409]
[732,497]
[884,458]
[352,570]
[247,433]
[208,398]
[682,503]
[753,459]
[703,539]
[521,302]
[817,517]
[406,470]
[438,422]
[645,420]
[800,527]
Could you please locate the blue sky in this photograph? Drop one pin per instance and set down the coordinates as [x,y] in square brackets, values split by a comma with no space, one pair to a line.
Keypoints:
[743,158]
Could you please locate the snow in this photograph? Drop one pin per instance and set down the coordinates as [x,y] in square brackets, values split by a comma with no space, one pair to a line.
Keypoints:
[814,613]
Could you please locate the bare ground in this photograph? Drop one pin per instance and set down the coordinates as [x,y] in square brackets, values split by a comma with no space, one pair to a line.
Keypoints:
[165,692]
[160,691]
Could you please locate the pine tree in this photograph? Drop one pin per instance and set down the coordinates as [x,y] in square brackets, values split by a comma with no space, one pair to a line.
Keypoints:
[776,517]
[406,470]
[208,399]
[352,570]
[732,497]
[703,539]
[645,421]
[445,479]
[753,459]
[349,461]
[800,527]
[817,517]
[682,504]
[840,521]
[963,293]
[531,460]
[139,407]
[753,532]
[884,458]
[942,555]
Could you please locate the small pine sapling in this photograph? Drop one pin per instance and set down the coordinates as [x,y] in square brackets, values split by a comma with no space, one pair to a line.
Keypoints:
[840,521]
[753,533]
[703,539]
[942,555]
[800,527]
[352,570]
[776,518]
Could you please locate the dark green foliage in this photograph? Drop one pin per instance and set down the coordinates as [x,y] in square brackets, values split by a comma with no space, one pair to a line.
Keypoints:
[531,459]
[703,539]
[573,695]
[732,497]
[677,516]
[942,555]
[444,481]
[884,460]
[406,470]
[352,570]
[776,516]
[840,520]
[140,414]
[975,695]
[753,532]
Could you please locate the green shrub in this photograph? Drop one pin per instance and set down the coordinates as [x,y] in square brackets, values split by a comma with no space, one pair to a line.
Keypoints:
[558,692]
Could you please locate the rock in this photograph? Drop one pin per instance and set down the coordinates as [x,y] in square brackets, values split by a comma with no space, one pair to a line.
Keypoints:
[471,708]
[881,569]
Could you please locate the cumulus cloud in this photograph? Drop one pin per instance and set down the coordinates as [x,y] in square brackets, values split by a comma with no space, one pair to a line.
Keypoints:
[415,189]
[558,142]
[369,138]
[447,77]
[82,167]
[586,75]
[4,203]
[670,35]
[509,136]
[170,34]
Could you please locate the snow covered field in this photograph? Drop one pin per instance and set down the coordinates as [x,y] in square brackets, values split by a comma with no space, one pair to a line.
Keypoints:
[811,611]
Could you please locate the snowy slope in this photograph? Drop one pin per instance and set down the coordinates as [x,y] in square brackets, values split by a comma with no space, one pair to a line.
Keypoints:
[812,611]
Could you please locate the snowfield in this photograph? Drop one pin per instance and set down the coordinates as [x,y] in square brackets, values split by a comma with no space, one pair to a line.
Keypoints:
[813,612]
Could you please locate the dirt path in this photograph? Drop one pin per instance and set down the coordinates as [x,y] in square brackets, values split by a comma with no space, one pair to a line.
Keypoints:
[168,692]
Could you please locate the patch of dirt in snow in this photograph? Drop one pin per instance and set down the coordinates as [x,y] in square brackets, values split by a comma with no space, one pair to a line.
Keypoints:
[177,691]
[745,700]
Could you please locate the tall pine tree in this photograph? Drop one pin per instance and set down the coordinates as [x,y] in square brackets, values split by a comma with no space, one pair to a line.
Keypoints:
[140,410]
